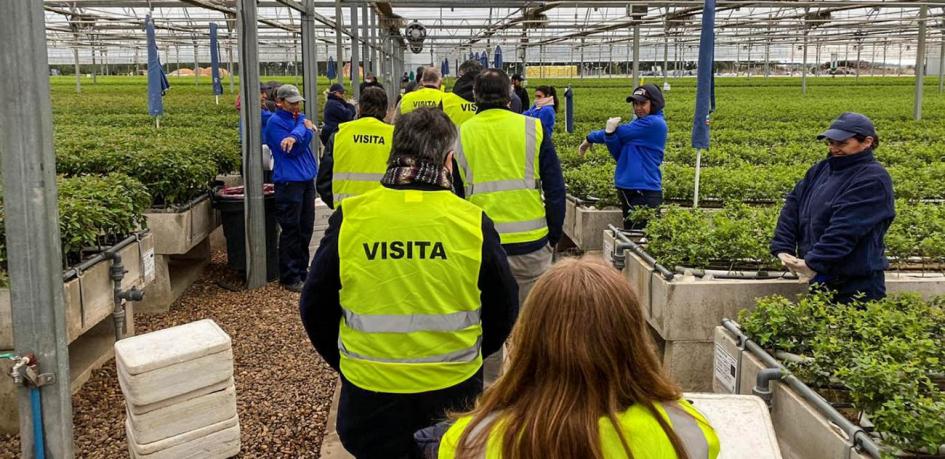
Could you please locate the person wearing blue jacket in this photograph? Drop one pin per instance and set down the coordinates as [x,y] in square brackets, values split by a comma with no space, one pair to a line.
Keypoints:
[288,135]
[638,148]
[337,111]
[545,108]
[833,223]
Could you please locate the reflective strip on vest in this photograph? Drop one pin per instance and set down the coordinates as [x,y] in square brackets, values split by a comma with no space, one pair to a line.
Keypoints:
[462,356]
[519,227]
[394,323]
[687,428]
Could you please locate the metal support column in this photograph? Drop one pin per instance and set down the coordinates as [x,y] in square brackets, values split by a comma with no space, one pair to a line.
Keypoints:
[94,64]
[373,30]
[636,56]
[920,62]
[941,63]
[355,54]
[666,58]
[582,58]
[768,51]
[339,43]
[251,144]
[78,71]
[229,65]
[804,67]
[32,223]
[365,40]
[197,68]
[310,66]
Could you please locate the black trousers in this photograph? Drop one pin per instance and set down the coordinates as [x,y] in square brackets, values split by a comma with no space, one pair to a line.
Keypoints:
[295,213]
[632,199]
[381,425]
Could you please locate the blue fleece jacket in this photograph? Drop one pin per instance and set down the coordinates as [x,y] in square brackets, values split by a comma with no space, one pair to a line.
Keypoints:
[837,216]
[546,115]
[298,164]
[638,147]
[337,111]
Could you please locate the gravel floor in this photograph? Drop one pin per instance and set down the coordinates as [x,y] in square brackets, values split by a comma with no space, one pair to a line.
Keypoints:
[283,387]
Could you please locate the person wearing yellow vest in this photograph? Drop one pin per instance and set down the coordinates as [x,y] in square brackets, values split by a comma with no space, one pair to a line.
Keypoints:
[356,156]
[509,167]
[408,291]
[583,381]
[427,95]
[460,104]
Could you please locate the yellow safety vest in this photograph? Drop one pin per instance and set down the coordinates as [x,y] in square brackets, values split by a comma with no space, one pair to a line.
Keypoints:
[459,110]
[361,151]
[423,97]
[643,434]
[498,159]
[409,266]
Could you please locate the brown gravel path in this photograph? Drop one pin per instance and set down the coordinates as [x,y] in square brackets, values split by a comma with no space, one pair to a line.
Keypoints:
[283,387]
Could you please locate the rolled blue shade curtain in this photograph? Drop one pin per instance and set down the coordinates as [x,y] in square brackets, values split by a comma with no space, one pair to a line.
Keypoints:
[157,80]
[498,57]
[705,82]
[215,60]
[332,71]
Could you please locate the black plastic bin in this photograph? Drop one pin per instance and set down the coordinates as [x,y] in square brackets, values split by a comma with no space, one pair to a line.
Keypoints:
[229,201]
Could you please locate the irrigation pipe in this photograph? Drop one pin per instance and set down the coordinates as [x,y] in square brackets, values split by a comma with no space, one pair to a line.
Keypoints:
[624,243]
[720,274]
[103,255]
[859,437]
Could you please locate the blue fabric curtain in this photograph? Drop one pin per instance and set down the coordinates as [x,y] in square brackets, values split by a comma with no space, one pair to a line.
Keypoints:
[705,83]
[484,59]
[498,57]
[157,81]
[215,60]
[332,71]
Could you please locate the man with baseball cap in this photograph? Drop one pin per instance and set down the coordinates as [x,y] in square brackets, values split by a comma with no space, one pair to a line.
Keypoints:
[288,134]
[638,148]
[833,223]
[518,89]
[337,111]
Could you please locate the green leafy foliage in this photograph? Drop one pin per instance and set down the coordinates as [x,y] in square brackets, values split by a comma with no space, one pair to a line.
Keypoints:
[887,354]
[94,211]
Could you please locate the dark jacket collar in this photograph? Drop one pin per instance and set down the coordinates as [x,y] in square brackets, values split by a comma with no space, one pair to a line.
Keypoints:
[464,86]
[334,97]
[481,108]
[839,163]
[415,186]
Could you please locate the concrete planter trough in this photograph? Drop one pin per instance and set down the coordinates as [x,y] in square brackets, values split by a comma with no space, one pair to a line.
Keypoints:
[684,310]
[803,430]
[178,230]
[90,329]
[583,224]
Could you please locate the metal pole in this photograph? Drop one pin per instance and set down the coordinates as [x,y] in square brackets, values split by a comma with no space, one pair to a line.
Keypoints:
[94,64]
[872,58]
[885,48]
[78,71]
[251,144]
[768,50]
[636,56]
[229,65]
[355,57]
[365,40]
[310,66]
[859,51]
[941,63]
[582,58]
[32,223]
[920,63]
[373,29]
[665,59]
[339,43]
[197,68]
[804,67]
[749,58]
[695,193]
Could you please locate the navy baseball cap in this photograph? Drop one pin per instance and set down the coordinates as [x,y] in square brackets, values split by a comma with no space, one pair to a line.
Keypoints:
[337,87]
[848,125]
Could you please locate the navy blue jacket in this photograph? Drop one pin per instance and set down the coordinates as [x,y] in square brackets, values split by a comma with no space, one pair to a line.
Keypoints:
[298,164]
[337,111]
[638,147]
[836,217]
[320,305]
[552,187]
[547,116]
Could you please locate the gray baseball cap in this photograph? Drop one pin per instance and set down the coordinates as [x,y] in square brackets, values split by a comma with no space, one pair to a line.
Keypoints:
[290,93]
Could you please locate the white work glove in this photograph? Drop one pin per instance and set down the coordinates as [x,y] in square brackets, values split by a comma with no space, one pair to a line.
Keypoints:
[787,258]
[799,266]
[584,147]
[612,124]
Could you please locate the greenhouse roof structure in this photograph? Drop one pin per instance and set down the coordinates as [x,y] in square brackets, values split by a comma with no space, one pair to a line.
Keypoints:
[526,30]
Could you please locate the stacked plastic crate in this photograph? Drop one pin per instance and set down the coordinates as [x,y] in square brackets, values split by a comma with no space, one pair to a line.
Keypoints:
[179,392]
